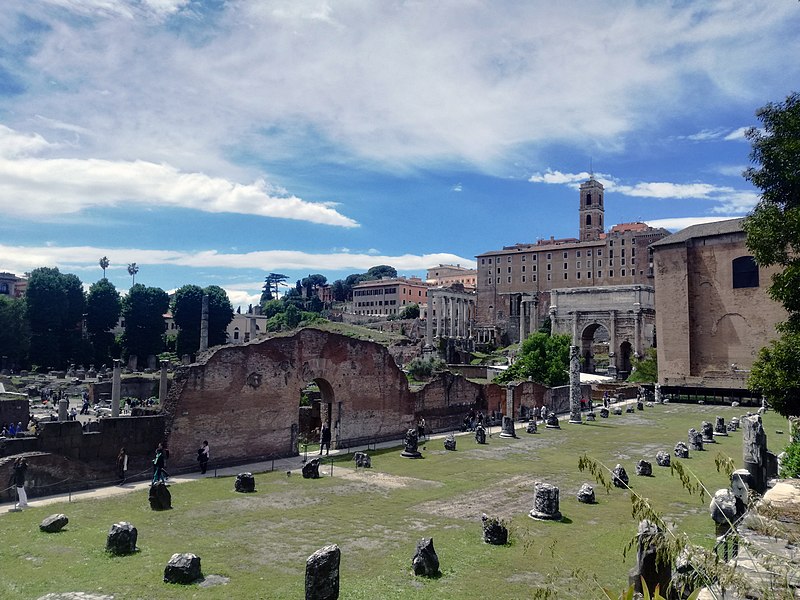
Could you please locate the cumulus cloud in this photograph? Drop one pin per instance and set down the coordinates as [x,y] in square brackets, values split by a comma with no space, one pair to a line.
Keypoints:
[33,186]
[730,200]
[389,83]
[20,259]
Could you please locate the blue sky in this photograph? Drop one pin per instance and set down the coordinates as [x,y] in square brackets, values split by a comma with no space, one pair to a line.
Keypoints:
[212,142]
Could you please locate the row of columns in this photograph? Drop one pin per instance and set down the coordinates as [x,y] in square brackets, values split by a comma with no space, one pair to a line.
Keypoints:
[449,316]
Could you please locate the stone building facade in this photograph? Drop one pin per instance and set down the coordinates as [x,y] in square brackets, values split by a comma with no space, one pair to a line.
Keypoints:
[388,296]
[515,283]
[447,275]
[713,313]
[12,286]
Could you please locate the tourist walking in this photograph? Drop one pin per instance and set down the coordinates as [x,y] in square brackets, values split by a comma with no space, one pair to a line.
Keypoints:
[203,455]
[159,462]
[18,481]
[421,428]
[325,439]
[122,465]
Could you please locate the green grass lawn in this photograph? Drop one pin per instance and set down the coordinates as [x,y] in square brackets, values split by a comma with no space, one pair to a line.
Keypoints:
[260,541]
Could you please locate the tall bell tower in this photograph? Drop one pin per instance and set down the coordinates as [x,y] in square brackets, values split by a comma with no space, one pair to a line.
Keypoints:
[591,210]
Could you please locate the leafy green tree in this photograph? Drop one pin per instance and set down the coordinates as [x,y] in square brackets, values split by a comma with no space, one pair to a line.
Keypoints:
[271,283]
[379,271]
[187,308]
[272,308]
[312,283]
[410,312]
[339,290]
[103,308]
[55,304]
[543,358]
[645,369]
[293,316]
[773,236]
[15,335]
[143,310]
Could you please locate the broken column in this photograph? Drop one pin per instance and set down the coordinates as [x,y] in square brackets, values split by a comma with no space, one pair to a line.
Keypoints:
[761,463]
[507,427]
[204,324]
[116,385]
[545,502]
[162,384]
[322,574]
[649,568]
[574,386]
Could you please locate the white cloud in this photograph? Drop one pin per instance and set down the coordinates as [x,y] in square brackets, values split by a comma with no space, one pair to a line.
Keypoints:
[25,258]
[391,83]
[736,134]
[678,223]
[732,170]
[705,135]
[730,200]
[33,187]
[457,188]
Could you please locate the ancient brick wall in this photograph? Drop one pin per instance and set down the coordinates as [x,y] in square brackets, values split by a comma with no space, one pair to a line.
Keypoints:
[445,401]
[130,387]
[245,399]
[13,411]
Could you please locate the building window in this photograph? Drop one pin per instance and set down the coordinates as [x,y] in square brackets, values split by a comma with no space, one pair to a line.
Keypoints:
[566,255]
[523,279]
[599,252]
[534,278]
[610,254]
[523,268]
[588,275]
[236,333]
[622,273]
[509,280]
[523,258]
[599,274]
[611,243]
[611,273]
[498,270]
[498,280]
[548,277]
[745,272]
[509,259]
[622,262]
[588,199]
[490,261]
[548,266]
[588,253]
[578,265]
[509,269]
[623,250]
[549,256]
[533,268]
[623,241]
[566,275]
[577,275]
[588,219]
[599,263]
[577,254]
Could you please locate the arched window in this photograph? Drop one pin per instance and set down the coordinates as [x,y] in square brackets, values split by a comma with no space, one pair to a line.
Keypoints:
[745,272]
[588,219]
[3,288]
[236,333]
[588,199]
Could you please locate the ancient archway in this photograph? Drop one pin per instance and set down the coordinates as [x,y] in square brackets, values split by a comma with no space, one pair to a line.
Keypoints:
[245,397]
[317,402]
[594,349]
[624,362]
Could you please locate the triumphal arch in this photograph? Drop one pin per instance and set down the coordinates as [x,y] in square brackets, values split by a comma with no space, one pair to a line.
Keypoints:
[623,316]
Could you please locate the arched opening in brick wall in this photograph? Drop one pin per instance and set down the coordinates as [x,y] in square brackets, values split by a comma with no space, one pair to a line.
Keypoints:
[317,402]
[594,349]
[625,354]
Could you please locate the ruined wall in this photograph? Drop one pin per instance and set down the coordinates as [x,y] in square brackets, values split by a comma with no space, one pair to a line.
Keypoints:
[130,387]
[246,397]
[445,401]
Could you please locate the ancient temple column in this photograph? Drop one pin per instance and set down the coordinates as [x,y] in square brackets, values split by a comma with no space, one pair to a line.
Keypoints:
[637,345]
[63,409]
[575,386]
[522,321]
[612,343]
[162,385]
[575,328]
[204,324]
[253,329]
[451,315]
[116,385]
[429,322]
[533,316]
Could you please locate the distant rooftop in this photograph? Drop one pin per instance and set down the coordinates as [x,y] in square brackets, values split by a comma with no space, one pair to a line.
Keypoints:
[702,230]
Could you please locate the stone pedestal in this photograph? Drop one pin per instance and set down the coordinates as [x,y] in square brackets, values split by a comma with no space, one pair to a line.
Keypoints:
[552,421]
[620,477]
[719,426]
[63,410]
[681,450]
[122,538]
[545,502]
[644,468]
[707,431]
[507,429]
[412,442]
[649,568]
[531,428]
[425,562]
[695,440]
[450,442]
[246,483]
[590,417]
[663,458]
[757,459]
[183,568]
[322,574]
[362,460]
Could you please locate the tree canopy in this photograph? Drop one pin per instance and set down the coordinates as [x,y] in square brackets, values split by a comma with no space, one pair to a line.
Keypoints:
[773,236]
[103,308]
[543,358]
[143,310]
[187,306]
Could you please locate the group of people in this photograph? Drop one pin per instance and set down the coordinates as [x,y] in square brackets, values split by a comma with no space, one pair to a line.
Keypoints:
[12,430]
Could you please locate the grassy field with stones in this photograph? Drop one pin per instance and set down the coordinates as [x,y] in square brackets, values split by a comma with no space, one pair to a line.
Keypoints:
[254,546]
